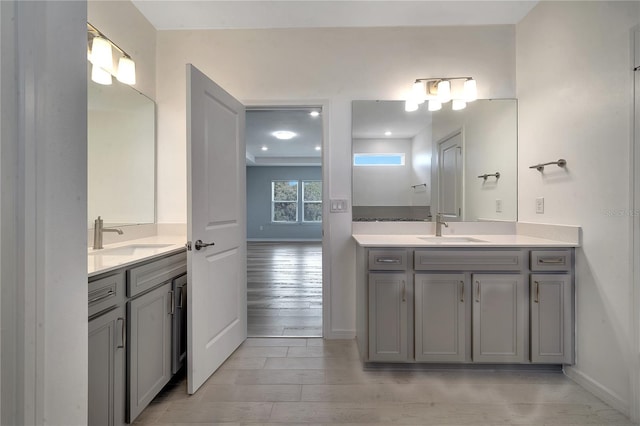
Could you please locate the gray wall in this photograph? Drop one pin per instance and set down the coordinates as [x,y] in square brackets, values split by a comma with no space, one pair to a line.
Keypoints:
[259,204]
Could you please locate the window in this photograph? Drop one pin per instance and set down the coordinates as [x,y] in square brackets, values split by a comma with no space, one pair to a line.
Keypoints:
[284,201]
[375,159]
[312,201]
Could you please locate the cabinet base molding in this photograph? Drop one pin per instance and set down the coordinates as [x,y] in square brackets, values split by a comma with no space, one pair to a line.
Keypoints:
[411,366]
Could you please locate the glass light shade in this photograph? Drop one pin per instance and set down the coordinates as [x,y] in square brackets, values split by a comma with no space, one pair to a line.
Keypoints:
[470,90]
[410,106]
[126,71]
[458,104]
[101,53]
[444,91]
[434,106]
[100,76]
[418,93]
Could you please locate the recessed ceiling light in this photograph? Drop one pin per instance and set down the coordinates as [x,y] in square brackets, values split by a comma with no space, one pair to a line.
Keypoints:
[318,148]
[314,113]
[387,133]
[264,148]
[284,134]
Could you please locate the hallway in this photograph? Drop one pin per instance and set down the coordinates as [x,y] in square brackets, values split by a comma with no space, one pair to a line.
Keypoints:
[284,289]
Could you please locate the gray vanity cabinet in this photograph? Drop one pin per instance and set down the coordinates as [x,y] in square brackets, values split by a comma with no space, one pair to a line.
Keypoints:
[440,324]
[388,317]
[150,321]
[499,315]
[107,368]
[551,326]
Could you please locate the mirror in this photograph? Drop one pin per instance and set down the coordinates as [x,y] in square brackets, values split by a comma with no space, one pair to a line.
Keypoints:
[407,166]
[121,155]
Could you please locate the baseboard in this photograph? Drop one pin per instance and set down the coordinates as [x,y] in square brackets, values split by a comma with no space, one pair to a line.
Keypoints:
[340,335]
[602,392]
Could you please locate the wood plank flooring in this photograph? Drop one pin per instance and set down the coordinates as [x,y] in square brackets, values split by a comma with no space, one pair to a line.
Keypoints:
[279,381]
[284,289]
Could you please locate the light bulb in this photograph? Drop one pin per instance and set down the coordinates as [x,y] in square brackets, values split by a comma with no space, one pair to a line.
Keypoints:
[434,106]
[458,104]
[284,134]
[101,54]
[444,91]
[418,93]
[100,76]
[470,90]
[126,71]
[410,106]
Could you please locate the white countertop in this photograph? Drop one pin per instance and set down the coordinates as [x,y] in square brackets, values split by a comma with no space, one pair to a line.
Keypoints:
[511,240]
[101,261]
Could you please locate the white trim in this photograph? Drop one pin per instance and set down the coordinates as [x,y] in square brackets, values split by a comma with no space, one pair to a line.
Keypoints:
[600,391]
[325,105]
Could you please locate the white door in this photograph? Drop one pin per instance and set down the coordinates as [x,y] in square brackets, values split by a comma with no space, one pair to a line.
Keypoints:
[450,177]
[216,301]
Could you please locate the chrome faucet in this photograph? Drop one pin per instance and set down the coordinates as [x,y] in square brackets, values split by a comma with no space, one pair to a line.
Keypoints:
[439,223]
[98,229]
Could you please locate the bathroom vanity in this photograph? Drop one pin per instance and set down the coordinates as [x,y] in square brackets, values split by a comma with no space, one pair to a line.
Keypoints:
[492,299]
[137,327]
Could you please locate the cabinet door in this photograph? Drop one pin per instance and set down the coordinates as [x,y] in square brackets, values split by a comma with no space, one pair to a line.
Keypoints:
[498,318]
[106,368]
[440,317]
[551,307]
[149,348]
[179,333]
[388,317]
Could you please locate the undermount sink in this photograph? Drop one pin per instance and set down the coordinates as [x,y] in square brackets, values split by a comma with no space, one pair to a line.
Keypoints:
[447,239]
[130,250]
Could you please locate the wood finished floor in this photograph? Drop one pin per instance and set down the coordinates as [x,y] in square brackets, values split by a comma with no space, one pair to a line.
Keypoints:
[301,381]
[284,289]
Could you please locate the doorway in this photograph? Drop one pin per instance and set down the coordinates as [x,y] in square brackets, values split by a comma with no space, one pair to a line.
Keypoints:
[450,167]
[284,221]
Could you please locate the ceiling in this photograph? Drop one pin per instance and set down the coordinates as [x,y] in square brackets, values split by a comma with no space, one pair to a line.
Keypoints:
[299,150]
[241,14]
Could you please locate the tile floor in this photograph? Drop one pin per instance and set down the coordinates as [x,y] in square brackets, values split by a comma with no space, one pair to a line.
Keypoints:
[282,381]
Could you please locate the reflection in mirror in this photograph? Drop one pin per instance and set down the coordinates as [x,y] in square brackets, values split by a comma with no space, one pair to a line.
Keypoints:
[121,155]
[421,163]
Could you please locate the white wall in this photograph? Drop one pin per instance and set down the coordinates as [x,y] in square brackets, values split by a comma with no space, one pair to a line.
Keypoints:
[382,185]
[575,94]
[421,152]
[338,65]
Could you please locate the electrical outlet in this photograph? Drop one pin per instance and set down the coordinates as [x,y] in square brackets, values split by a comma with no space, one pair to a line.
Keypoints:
[498,206]
[338,206]
[540,205]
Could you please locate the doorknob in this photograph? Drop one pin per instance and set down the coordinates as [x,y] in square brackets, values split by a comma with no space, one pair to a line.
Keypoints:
[199,244]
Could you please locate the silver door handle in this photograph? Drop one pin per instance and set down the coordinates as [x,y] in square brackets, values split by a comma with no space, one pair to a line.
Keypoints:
[382,260]
[537,298]
[199,244]
[124,334]
[462,291]
[104,296]
[552,260]
[477,291]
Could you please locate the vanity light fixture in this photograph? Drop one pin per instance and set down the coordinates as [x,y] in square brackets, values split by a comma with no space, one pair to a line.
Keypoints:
[438,91]
[284,134]
[101,58]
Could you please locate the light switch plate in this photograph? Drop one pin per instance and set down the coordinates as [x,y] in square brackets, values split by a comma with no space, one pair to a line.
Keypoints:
[540,205]
[498,206]
[338,206]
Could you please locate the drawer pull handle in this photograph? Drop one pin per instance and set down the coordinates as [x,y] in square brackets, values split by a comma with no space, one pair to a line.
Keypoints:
[477,291]
[537,298]
[404,291]
[123,336]
[104,296]
[382,260]
[462,291]
[552,260]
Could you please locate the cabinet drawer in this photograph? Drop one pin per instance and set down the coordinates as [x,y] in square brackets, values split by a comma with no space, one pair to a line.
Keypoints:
[468,260]
[551,260]
[388,260]
[146,277]
[105,293]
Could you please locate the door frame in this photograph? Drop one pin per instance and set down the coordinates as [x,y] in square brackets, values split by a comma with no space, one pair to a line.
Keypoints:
[435,171]
[325,105]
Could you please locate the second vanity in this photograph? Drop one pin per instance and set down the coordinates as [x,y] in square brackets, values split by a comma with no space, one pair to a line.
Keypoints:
[137,325]
[481,299]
